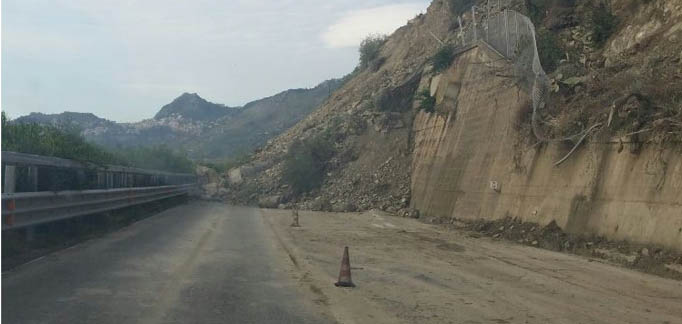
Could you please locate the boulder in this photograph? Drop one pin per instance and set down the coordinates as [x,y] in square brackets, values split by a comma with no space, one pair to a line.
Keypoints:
[341,207]
[206,175]
[209,190]
[320,204]
[234,176]
[412,213]
[269,201]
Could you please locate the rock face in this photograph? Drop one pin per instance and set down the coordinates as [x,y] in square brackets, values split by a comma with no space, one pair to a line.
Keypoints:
[369,123]
[234,175]
[191,106]
[211,184]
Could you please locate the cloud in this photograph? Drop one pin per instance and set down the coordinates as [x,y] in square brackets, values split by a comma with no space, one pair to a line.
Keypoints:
[353,27]
[123,59]
[43,44]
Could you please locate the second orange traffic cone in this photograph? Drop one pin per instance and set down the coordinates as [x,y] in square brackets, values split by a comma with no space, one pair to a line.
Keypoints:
[344,275]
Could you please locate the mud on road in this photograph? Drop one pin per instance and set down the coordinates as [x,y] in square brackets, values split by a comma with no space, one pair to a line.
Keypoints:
[647,258]
[411,272]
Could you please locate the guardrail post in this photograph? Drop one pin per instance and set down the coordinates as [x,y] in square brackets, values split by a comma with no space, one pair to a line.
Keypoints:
[80,177]
[100,180]
[33,178]
[10,184]
[30,233]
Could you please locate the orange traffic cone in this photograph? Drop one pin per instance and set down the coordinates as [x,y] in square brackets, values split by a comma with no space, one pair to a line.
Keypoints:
[344,274]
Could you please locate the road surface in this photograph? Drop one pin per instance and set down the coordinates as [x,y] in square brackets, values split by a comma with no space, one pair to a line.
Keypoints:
[212,263]
[197,263]
[410,272]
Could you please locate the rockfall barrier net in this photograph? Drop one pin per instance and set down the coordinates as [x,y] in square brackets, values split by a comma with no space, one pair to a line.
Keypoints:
[513,36]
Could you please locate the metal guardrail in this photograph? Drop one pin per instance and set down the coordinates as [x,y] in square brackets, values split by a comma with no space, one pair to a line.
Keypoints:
[33,208]
[103,176]
[108,187]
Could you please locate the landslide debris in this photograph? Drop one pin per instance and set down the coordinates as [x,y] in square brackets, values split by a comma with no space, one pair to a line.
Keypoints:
[617,65]
[642,257]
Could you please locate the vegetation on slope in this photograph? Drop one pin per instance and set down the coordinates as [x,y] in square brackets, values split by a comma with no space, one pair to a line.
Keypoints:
[67,143]
[369,51]
[305,163]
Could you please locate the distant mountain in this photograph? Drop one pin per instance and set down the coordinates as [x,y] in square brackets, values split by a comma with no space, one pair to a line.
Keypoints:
[261,120]
[67,119]
[204,129]
[193,107]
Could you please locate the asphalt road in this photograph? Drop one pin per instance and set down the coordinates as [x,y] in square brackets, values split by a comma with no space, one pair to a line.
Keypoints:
[196,263]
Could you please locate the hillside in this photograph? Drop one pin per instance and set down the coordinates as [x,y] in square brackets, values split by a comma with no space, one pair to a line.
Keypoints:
[447,121]
[68,119]
[191,106]
[260,120]
[204,129]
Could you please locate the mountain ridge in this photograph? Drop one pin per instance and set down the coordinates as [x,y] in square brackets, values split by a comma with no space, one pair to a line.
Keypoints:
[204,129]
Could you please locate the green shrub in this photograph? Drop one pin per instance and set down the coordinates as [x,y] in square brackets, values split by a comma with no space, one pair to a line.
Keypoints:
[156,158]
[69,144]
[458,7]
[305,163]
[603,23]
[370,48]
[52,141]
[225,165]
[537,10]
[443,58]
[426,101]
[549,51]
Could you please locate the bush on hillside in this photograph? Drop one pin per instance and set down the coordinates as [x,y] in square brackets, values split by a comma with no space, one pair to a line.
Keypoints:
[603,23]
[549,51]
[370,48]
[52,141]
[69,144]
[305,163]
[537,10]
[156,158]
[458,7]
[443,58]
[224,165]
[426,101]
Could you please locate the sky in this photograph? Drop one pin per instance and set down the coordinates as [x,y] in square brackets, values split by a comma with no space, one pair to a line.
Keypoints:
[124,59]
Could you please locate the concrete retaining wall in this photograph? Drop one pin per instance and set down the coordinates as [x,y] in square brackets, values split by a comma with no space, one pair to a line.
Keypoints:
[474,140]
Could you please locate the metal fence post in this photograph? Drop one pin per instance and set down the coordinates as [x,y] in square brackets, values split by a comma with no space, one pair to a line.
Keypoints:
[110,180]
[30,233]
[516,24]
[10,184]
[487,25]
[473,18]
[33,178]
[506,30]
[461,30]
[81,178]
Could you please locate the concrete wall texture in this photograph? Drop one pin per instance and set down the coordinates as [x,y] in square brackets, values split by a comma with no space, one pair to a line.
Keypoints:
[474,139]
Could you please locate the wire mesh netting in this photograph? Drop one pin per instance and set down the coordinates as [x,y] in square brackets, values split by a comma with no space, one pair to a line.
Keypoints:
[513,36]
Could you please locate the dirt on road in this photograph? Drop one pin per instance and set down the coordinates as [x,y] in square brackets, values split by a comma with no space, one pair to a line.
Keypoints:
[411,272]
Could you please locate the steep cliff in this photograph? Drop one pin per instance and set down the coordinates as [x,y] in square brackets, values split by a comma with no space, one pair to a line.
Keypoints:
[473,163]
